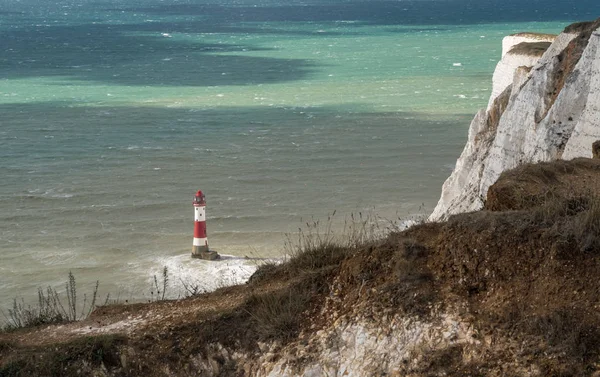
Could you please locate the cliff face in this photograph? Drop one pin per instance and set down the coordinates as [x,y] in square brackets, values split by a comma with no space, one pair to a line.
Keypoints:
[518,50]
[542,108]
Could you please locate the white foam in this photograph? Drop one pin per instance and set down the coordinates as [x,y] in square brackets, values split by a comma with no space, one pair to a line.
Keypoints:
[457,64]
[61,196]
[203,275]
[405,224]
[56,257]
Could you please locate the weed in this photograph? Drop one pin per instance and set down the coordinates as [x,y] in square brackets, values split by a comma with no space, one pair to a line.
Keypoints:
[49,308]
[191,289]
[160,288]
[71,290]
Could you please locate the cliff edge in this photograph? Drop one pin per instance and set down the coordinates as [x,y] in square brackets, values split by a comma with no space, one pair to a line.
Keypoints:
[545,105]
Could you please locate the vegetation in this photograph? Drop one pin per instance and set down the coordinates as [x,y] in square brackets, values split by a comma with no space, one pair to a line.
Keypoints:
[65,359]
[160,288]
[530,48]
[50,309]
[278,314]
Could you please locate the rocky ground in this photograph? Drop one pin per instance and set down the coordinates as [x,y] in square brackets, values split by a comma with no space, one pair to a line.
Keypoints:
[511,290]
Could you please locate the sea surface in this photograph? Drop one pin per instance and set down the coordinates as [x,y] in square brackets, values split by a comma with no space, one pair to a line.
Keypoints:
[113,113]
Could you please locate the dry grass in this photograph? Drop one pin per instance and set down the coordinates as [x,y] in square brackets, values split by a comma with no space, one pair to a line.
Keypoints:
[50,308]
[580,27]
[278,316]
[314,254]
[317,246]
[79,357]
[530,48]
[535,35]
[528,269]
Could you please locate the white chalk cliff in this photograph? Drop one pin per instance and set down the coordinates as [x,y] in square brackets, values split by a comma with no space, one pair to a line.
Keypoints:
[543,107]
[513,58]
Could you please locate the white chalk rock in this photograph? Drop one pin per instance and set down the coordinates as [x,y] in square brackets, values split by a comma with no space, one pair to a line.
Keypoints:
[548,111]
[515,55]
[587,128]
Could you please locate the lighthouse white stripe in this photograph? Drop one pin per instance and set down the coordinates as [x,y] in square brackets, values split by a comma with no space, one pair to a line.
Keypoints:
[200,214]
[200,241]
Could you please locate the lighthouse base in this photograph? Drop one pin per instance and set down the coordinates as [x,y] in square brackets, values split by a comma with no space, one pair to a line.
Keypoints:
[201,252]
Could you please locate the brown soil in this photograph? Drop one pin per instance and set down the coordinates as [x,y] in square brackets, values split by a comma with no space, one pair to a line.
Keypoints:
[569,58]
[579,27]
[530,48]
[532,185]
[535,35]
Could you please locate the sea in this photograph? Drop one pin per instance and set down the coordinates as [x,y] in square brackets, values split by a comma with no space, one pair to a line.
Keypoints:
[284,113]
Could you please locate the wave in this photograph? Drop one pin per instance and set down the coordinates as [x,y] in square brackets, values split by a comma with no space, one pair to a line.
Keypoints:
[137,147]
[33,195]
[187,273]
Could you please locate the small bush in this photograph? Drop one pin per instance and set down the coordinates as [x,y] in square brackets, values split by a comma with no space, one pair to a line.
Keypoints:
[276,315]
[264,271]
[279,314]
[553,208]
[318,257]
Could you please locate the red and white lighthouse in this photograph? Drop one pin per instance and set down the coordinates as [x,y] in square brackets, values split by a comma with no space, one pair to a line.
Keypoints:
[200,243]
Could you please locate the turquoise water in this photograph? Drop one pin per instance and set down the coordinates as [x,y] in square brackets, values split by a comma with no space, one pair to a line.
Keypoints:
[112,114]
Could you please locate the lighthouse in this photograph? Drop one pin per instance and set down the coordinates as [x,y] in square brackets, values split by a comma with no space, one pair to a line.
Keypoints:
[200,243]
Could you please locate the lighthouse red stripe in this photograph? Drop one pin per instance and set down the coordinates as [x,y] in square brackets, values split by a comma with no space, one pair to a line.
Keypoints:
[200,229]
